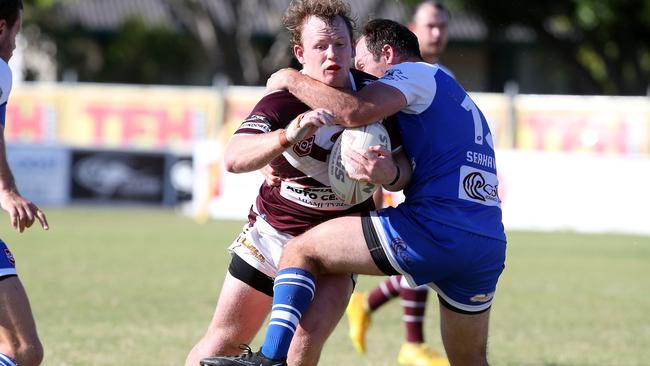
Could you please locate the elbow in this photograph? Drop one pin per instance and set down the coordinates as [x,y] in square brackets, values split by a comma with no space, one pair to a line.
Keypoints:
[230,164]
[235,158]
[350,118]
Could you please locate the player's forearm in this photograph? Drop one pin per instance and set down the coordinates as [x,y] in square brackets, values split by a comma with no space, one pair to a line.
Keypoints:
[403,175]
[246,153]
[349,109]
[7,182]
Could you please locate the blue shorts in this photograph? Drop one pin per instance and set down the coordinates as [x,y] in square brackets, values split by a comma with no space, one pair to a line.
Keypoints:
[7,262]
[462,267]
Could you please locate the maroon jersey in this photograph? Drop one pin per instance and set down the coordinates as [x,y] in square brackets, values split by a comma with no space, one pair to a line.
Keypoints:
[304,199]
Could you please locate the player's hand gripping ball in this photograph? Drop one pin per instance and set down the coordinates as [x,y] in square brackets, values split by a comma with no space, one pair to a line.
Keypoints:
[361,138]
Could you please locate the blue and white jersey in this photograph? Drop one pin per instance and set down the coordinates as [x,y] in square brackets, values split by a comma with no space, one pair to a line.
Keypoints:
[5,89]
[443,68]
[450,146]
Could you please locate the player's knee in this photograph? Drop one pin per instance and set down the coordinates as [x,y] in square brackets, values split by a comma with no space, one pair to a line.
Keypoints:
[298,252]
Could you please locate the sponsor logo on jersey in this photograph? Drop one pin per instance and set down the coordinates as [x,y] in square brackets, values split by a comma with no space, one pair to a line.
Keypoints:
[394,74]
[10,257]
[482,297]
[303,147]
[478,186]
[243,240]
[322,198]
[480,159]
[399,248]
[256,122]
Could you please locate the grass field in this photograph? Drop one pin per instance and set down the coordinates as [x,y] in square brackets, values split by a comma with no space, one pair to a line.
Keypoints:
[132,286]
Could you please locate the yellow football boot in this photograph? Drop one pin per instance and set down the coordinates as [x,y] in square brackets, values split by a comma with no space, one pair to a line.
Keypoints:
[358,320]
[419,354]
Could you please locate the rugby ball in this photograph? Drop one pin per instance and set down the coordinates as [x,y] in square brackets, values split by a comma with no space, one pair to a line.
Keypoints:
[361,138]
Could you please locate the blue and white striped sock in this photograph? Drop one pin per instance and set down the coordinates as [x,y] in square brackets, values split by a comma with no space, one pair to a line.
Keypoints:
[6,360]
[293,291]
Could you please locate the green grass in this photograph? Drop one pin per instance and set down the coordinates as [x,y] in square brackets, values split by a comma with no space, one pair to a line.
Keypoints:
[133,286]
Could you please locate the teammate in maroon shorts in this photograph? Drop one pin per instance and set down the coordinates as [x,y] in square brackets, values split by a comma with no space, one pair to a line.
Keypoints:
[282,132]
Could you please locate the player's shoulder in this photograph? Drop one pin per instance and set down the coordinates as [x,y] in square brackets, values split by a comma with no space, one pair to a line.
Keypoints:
[5,81]
[361,78]
[279,100]
[278,97]
[408,70]
[446,70]
[278,108]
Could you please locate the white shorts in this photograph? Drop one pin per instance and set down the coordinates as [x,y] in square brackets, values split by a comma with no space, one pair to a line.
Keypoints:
[260,246]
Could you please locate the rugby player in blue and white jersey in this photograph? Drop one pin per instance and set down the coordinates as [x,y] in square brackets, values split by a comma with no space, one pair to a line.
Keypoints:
[447,233]
[19,343]
[278,132]
[430,24]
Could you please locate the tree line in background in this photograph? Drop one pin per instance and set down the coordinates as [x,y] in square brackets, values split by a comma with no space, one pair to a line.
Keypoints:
[606,43]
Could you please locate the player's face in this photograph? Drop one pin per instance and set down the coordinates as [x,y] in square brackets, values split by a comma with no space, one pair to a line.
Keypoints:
[326,52]
[430,27]
[8,37]
[364,60]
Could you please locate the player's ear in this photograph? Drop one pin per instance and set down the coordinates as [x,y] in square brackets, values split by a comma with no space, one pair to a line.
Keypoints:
[299,53]
[3,27]
[387,52]
[411,26]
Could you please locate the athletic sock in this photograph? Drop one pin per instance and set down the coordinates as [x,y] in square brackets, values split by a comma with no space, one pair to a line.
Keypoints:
[294,290]
[384,292]
[414,302]
[6,360]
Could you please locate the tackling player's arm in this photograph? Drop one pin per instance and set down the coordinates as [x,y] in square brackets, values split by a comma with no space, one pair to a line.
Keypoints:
[374,102]
[403,172]
[377,165]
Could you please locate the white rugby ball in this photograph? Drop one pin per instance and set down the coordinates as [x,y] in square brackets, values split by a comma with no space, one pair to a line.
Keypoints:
[361,138]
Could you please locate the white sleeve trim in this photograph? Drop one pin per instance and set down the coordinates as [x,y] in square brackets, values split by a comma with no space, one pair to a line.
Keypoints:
[416,81]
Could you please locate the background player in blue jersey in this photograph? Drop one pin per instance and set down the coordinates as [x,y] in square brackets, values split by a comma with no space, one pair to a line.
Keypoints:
[448,232]
[429,23]
[19,343]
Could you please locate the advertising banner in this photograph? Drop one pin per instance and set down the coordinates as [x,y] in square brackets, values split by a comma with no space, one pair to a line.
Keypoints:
[578,192]
[179,179]
[117,176]
[496,109]
[42,173]
[217,193]
[605,125]
[239,102]
[33,115]
[173,118]
[111,116]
